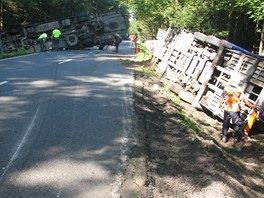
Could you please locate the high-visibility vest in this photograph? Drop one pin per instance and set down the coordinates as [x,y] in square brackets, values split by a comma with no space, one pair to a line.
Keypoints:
[56,33]
[232,98]
[43,36]
[133,37]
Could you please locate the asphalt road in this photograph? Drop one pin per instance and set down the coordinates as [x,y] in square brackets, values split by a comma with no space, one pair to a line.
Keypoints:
[65,123]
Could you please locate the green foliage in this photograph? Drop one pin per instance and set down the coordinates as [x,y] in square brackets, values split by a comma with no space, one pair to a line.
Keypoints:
[15,53]
[192,16]
[21,12]
[144,54]
[185,118]
[147,72]
[254,8]
[235,21]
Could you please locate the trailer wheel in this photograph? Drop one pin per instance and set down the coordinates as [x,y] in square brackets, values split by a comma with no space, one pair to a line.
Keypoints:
[101,46]
[72,40]
[82,19]
[186,96]
[113,25]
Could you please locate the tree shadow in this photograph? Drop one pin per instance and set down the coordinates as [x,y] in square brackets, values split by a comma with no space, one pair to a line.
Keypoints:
[63,124]
[177,158]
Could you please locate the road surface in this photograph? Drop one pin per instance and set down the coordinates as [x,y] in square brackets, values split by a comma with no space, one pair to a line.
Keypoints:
[66,122]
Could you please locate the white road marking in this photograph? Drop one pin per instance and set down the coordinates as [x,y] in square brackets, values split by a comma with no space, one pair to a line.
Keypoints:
[4,82]
[20,146]
[67,60]
[100,64]
[127,129]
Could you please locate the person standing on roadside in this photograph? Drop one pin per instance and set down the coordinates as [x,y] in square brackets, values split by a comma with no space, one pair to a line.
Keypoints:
[117,41]
[56,33]
[232,96]
[41,40]
[133,40]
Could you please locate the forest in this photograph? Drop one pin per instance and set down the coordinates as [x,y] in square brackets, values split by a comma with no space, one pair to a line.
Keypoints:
[238,21]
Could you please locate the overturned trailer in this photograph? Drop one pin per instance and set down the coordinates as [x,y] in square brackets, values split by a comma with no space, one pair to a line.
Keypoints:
[77,32]
[197,67]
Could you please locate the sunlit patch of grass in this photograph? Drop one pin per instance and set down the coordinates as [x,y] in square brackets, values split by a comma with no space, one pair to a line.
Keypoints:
[147,72]
[175,99]
[15,53]
[144,54]
[185,119]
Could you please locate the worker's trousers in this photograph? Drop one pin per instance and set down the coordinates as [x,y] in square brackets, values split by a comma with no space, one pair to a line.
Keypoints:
[236,121]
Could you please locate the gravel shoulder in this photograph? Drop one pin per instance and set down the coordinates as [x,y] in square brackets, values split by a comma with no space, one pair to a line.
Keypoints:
[172,160]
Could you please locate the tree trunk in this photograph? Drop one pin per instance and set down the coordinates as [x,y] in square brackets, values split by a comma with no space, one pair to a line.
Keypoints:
[261,43]
[242,30]
[1,16]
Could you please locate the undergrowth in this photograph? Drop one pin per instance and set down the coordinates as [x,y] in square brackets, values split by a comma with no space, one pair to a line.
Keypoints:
[15,53]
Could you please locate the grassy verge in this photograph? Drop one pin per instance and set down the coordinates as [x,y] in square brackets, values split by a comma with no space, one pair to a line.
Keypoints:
[16,53]
[144,54]
[147,72]
[186,121]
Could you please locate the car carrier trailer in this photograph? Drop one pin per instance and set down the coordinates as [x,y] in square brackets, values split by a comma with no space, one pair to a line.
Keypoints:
[197,67]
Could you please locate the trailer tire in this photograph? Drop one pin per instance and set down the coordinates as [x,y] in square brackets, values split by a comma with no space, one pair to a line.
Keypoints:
[186,96]
[101,46]
[72,40]
[82,19]
[112,25]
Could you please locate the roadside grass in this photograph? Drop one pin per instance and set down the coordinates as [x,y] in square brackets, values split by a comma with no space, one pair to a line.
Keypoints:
[147,72]
[144,54]
[15,53]
[185,119]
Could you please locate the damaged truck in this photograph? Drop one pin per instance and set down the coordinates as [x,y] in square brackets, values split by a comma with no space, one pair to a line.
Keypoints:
[197,67]
[77,32]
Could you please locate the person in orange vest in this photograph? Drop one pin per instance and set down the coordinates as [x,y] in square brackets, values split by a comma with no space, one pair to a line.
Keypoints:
[232,96]
[133,40]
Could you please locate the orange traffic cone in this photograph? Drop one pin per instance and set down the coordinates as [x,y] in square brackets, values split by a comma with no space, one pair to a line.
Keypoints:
[252,117]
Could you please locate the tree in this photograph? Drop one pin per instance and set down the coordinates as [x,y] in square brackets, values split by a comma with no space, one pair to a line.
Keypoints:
[256,12]
[15,13]
[235,21]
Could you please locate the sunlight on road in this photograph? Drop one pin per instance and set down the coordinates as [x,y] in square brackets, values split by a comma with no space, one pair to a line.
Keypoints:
[68,172]
[42,83]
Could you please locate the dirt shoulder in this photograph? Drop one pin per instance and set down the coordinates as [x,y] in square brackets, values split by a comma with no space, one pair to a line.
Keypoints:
[180,162]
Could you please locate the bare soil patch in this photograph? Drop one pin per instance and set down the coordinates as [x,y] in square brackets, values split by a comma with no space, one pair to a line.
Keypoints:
[183,163]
